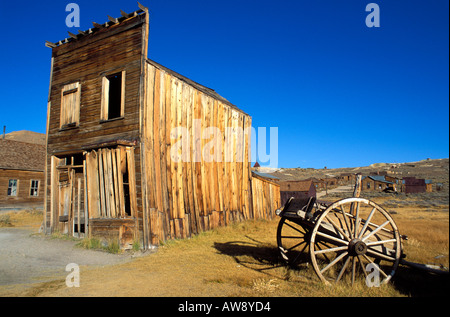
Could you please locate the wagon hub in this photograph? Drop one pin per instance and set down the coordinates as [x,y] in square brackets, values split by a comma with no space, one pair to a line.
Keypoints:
[357,247]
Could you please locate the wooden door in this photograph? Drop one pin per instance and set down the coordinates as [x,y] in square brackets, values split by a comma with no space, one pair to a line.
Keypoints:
[71,201]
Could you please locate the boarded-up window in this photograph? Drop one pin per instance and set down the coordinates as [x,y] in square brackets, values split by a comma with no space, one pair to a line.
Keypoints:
[12,187]
[34,187]
[111,183]
[113,96]
[70,105]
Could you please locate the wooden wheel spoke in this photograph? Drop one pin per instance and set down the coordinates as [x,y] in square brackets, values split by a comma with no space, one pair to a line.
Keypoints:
[378,267]
[379,255]
[338,228]
[296,229]
[380,242]
[361,265]
[346,222]
[375,231]
[353,270]
[357,219]
[366,224]
[334,239]
[291,237]
[294,246]
[299,254]
[344,267]
[331,250]
[332,263]
[323,254]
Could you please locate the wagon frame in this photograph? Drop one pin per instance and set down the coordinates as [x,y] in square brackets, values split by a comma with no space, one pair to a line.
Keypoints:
[348,239]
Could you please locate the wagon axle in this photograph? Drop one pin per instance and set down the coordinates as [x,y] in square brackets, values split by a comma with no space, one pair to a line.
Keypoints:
[357,247]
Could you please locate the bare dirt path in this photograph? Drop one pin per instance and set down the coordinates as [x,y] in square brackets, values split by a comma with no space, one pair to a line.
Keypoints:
[341,189]
[27,257]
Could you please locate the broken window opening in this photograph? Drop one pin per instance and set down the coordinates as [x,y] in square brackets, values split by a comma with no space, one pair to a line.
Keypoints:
[113,96]
[126,192]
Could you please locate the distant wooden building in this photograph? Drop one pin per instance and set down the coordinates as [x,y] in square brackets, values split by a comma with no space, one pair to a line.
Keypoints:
[376,183]
[127,139]
[298,189]
[21,174]
[345,178]
[415,185]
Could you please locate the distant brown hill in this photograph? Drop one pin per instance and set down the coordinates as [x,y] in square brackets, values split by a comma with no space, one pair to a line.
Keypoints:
[26,136]
[435,169]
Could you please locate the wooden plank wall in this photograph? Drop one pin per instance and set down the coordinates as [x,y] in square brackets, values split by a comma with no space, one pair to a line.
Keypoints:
[23,191]
[185,193]
[266,198]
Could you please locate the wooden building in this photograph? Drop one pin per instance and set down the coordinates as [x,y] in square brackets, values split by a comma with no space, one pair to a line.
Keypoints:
[345,178]
[376,183]
[298,189]
[414,185]
[138,151]
[21,174]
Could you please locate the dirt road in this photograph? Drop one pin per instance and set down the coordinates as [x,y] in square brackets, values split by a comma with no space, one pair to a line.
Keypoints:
[341,189]
[27,257]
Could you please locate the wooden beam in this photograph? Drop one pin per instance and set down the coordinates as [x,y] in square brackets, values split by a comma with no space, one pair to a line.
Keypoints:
[357,189]
[50,44]
[114,20]
[98,26]
[75,36]
[143,8]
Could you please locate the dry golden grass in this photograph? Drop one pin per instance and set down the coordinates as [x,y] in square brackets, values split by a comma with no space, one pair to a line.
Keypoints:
[29,218]
[242,260]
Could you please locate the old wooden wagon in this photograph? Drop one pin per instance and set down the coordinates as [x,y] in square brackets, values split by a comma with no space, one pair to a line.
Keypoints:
[126,139]
[349,239]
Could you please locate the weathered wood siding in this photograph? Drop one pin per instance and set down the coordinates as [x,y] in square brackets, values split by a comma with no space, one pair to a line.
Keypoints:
[24,179]
[265,197]
[191,195]
[117,48]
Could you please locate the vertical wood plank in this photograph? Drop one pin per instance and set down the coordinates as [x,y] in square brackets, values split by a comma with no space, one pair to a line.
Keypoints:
[79,208]
[110,186]
[103,208]
[156,158]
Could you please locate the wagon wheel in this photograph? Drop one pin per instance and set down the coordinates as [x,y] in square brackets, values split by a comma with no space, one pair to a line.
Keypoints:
[351,234]
[293,241]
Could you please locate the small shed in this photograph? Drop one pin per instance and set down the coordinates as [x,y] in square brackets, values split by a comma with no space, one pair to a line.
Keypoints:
[298,189]
[416,185]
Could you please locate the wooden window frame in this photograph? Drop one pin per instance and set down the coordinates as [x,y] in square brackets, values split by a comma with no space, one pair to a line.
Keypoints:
[17,187]
[36,189]
[104,114]
[69,89]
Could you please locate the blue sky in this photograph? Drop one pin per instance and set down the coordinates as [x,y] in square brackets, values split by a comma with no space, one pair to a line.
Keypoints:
[340,93]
